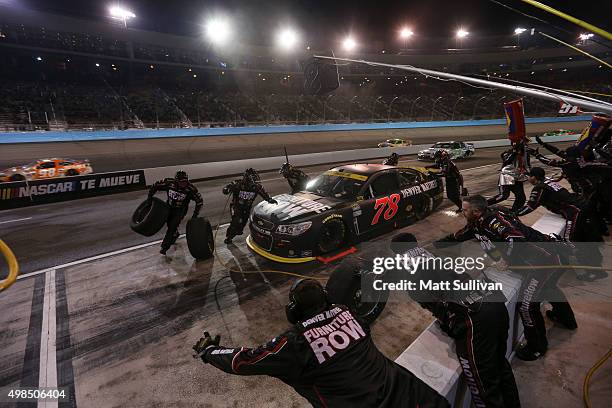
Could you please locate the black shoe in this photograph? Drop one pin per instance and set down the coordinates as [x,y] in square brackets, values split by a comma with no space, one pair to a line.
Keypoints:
[227,240]
[568,325]
[525,353]
[163,251]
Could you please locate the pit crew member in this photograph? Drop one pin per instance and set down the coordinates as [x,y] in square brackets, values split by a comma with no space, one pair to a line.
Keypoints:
[499,235]
[452,176]
[180,191]
[327,356]
[392,160]
[243,191]
[296,178]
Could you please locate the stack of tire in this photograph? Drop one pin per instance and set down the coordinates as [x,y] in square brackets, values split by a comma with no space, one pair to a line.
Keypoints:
[150,217]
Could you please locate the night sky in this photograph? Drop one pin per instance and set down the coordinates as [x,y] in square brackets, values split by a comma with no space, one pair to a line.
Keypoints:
[324,20]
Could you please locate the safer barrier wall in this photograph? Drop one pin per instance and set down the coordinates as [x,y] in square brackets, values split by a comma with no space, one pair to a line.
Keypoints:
[72,136]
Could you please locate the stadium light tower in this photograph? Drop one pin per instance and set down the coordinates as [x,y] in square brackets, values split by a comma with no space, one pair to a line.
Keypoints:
[461,34]
[518,31]
[287,38]
[120,13]
[405,33]
[349,44]
[218,30]
[585,37]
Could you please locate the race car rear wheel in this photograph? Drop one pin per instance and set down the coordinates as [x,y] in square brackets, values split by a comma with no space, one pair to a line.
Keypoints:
[148,219]
[332,236]
[423,207]
[200,238]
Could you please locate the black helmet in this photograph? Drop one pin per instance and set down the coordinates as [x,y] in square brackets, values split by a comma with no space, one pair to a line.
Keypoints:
[394,156]
[251,173]
[307,297]
[181,178]
[285,168]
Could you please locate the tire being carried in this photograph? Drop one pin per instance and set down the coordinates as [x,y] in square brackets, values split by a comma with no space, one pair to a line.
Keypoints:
[148,219]
[200,238]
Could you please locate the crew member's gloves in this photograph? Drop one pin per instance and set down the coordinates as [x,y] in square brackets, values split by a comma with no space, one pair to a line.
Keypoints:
[272,201]
[205,342]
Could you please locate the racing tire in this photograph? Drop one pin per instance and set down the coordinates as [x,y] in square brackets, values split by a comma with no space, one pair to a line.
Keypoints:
[423,207]
[344,287]
[148,219]
[71,173]
[200,240]
[17,177]
[332,235]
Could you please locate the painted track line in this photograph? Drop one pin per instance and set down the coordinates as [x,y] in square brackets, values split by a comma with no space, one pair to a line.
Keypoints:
[48,350]
[16,220]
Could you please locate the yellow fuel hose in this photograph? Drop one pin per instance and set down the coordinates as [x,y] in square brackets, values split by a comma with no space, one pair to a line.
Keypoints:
[12,263]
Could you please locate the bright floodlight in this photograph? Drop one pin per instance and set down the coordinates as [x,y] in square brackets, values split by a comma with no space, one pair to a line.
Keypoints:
[519,30]
[461,33]
[287,38]
[585,37]
[406,33]
[349,44]
[218,30]
[120,13]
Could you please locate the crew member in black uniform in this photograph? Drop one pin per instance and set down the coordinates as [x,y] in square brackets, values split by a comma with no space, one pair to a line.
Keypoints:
[580,226]
[588,179]
[506,239]
[327,356]
[243,191]
[296,178]
[180,191]
[452,176]
[476,319]
[509,179]
[392,160]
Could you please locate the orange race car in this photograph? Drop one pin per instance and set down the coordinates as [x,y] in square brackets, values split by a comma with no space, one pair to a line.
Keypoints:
[46,168]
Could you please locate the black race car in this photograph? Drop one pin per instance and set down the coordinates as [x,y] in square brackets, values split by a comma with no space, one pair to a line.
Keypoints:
[342,206]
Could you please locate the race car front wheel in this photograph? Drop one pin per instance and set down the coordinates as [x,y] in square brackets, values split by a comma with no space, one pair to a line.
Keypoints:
[17,177]
[332,236]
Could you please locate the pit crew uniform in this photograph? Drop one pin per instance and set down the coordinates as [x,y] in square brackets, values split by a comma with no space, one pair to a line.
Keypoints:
[243,191]
[452,177]
[497,234]
[331,360]
[509,182]
[178,201]
[392,160]
[477,321]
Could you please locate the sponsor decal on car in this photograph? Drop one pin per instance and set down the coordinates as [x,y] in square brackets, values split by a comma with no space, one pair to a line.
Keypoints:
[418,189]
[353,176]
[297,206]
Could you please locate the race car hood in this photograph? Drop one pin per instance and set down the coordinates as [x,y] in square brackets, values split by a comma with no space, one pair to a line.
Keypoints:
[294,208]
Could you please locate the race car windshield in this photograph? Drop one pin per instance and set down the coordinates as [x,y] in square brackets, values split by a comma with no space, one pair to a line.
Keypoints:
[327,185]
[442,145]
